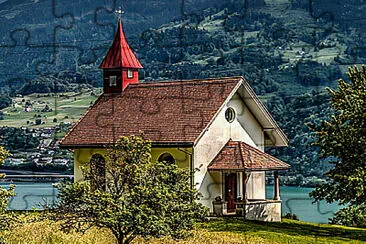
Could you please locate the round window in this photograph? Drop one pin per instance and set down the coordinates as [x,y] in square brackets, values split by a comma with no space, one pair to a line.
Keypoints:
[230,115]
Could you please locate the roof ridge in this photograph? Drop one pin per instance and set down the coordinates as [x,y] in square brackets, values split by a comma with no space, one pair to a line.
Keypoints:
[261,152]
[185,82]
[241,154]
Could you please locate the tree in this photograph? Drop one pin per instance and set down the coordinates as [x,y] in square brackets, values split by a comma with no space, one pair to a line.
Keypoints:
[5,101]
[342,140]
[130,195]
[5,194]
[17,138]
[38,121]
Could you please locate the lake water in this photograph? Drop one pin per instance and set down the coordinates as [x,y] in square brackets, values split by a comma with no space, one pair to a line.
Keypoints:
[294,200]
[30,195]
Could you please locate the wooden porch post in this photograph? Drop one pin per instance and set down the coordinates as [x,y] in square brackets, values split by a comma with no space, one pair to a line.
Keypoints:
[245,187]
[223,186]
[276,187]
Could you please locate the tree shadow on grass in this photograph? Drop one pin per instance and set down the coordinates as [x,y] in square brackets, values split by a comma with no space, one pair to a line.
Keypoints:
[289,227]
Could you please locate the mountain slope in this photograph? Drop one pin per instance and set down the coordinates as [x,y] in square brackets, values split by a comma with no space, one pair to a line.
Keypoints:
[288,50]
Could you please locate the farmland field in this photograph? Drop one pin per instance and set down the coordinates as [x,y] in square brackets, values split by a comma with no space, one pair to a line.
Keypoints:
[65,107]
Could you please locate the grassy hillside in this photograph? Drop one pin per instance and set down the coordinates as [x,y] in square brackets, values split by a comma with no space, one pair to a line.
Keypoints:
[215,231]
[65,107]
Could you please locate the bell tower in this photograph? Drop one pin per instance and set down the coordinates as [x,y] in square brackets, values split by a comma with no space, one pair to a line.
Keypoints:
[120,65]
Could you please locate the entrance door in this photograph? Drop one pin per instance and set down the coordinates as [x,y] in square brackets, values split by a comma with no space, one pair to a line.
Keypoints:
[230,190]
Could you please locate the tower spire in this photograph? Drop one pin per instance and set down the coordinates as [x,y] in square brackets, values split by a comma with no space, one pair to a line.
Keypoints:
[120,65]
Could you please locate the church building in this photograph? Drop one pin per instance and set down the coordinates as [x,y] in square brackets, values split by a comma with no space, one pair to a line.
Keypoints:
[218,126]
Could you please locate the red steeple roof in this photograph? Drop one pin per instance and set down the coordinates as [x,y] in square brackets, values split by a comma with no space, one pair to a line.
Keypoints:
[120,54]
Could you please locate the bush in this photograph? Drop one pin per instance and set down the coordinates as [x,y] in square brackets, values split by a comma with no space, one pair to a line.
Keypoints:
[5,101]
[354,215]
[5,194]
[290,216]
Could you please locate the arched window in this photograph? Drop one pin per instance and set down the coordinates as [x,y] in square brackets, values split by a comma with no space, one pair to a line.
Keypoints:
[166,157]
[97,172]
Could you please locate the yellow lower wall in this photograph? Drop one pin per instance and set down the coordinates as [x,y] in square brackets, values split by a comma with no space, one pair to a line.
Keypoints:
[82,157]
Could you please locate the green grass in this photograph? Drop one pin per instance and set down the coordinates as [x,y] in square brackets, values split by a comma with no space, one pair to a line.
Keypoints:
[66,108]
[215,231]
[289,231]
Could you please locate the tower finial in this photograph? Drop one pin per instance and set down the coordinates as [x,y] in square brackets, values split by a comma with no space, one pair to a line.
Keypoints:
[119,12]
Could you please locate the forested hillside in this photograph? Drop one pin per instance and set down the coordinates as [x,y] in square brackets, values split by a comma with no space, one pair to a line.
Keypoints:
[288,53]
[288,50]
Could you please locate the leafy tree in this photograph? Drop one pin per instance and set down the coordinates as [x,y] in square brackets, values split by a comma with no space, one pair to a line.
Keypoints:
[5,194]
[5,101]
[342,139]
[17,138]
[38,121]
[139,197]
[354,215]
[46,109]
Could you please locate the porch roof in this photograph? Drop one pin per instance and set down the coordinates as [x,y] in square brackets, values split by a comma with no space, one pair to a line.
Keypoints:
[239,156]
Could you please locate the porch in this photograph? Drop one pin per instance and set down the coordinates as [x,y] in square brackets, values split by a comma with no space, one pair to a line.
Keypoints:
[262,210]
[235,201]
[242,168]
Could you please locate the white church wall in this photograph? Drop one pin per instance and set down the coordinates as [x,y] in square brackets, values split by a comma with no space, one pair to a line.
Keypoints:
[244,128]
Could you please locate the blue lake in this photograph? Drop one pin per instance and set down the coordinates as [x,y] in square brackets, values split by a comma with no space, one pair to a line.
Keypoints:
[30,195]
[294,200]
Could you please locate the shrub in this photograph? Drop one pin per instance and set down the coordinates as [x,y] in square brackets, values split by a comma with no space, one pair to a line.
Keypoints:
[354,215]
[290,216]
[5,194]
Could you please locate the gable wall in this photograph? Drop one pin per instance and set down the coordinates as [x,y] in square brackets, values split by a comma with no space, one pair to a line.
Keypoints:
[245,128]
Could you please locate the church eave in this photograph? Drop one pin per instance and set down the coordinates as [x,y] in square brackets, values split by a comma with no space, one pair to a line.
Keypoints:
[153,144]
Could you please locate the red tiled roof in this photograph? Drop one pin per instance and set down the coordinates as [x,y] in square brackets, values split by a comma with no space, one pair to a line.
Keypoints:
[120,54]
[167,112]
[241,156]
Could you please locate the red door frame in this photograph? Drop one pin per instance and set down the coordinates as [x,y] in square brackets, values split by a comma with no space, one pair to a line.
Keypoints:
[230,190]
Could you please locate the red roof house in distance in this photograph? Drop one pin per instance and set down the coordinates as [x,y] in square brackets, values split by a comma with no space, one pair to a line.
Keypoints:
[217,125]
